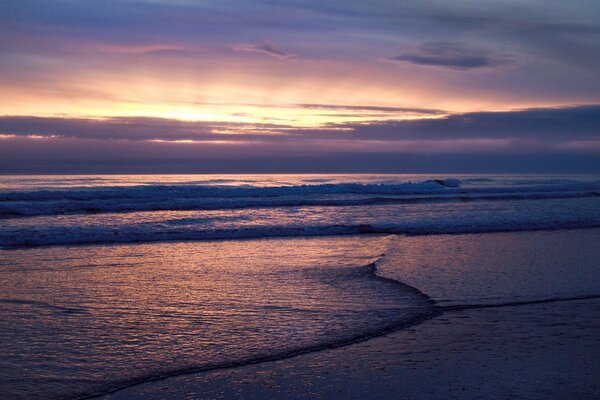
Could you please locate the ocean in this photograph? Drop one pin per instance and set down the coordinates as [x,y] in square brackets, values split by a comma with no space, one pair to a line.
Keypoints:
[111,281]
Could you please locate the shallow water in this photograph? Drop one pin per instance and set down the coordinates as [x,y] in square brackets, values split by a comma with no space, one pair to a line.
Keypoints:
[81,320]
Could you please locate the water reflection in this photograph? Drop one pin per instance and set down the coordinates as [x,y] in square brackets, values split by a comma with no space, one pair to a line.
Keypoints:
[82,319]
[497,267]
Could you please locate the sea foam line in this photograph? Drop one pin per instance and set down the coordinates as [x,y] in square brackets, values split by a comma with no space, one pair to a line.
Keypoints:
[74,207]
[107,235]
[15,204]
[426,309]
[462,307]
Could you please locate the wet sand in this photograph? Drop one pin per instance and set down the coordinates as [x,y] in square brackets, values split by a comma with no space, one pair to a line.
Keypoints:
[541,351]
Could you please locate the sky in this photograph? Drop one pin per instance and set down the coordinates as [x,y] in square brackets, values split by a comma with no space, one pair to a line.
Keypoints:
[157,86]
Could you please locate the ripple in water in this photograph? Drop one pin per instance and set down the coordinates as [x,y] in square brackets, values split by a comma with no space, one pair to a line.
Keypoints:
[87,320]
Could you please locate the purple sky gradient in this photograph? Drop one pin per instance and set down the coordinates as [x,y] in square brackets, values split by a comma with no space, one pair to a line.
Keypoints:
[375,86]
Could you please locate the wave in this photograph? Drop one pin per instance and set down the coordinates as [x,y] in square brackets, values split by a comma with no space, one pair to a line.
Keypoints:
[130,234]
[194,191]
[15,204]
[120,206]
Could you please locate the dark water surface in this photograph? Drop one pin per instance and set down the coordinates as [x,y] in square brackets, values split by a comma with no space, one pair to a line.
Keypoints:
[102,286]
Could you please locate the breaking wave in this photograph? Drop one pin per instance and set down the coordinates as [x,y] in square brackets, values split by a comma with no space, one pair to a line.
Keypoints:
[51,236]
[186,197]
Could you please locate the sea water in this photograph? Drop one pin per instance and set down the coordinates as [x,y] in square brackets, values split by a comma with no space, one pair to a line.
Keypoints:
[110,281]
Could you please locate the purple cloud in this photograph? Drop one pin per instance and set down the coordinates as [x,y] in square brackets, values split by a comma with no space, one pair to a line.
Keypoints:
[559,125]
[452,55]
[266,48]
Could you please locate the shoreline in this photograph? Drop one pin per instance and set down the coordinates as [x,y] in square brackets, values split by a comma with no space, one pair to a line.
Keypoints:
[442,311]
[539,319]
[413,320]
[469,276]
[331,372]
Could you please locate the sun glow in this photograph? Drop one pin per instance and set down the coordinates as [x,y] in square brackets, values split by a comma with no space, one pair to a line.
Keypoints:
[255,116]
[253,95]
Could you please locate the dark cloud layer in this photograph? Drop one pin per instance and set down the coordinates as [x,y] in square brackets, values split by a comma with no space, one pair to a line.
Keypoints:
[452,55]
[535,140]
[553,124]
[581,122]
[122,128]
[331,163]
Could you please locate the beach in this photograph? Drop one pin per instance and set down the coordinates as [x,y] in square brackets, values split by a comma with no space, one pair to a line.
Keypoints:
[299,199]
[547,351]
[299,287]
[544,348]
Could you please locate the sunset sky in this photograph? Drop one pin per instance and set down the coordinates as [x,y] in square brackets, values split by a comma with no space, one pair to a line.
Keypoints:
[299,86]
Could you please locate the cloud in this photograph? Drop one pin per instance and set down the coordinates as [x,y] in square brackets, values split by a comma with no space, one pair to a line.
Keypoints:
[266,48]
[452,55]
[66,41]
[341,107]
[534,127]
[336,107]
[132,129]
[551,139]
[552,125]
